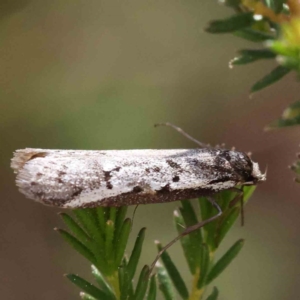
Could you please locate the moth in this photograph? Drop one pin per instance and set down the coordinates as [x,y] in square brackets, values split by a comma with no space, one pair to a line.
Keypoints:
[79,179]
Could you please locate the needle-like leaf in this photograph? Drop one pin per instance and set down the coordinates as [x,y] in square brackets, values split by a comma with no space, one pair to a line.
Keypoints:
[173,273]
[122,242]
[88,287]
[164,282]
[224,261]
[136,253]
[270,78]
[214,295]
[236,22]
[152,289]
[78,246]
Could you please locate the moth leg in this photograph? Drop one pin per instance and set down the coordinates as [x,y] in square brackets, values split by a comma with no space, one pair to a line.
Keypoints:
[236,199]
[188,231]
[178,129]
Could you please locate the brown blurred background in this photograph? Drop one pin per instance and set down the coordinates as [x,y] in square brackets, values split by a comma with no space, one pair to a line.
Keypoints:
[97,75]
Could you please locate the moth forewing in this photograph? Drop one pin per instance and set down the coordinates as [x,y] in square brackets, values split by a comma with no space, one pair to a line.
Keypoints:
[77,178]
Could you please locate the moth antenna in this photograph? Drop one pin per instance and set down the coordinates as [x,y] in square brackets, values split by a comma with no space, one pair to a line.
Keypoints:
[187,231]
[178,129]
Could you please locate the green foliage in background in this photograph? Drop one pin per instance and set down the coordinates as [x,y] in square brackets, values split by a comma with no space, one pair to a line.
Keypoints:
[101,236]
[275,25]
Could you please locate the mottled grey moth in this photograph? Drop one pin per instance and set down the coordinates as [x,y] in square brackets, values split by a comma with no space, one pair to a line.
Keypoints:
[78,179]
[73,178]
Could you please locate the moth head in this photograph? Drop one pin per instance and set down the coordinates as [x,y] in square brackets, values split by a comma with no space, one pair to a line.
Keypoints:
[257,174]
[247,170]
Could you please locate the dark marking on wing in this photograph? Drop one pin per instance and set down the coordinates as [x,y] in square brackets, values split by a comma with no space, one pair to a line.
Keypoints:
[109,185]
[137,189]
[107,177]
[165,189]
[77,193]
[173,164]
[176,178]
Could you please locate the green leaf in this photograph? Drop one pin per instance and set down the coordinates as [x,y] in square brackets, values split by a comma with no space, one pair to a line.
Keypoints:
[207,211]
[247,56]
[205,208]
[231,24]
[164,282]
[112,214]
[247,192]
[85,296]
[88,287]
[173,273]
[226,224]
[136,253]
[75,228]
[122,242]
[152,289]
[290,117]
[185,242]
[121,214]
[103,284]
[283,48]
[109,236]
[88,219]
[224,261]
[142,284]
[190,219]
[123,280]
[270,78]
[253,35]
[100,212]
[280,123]
[275,5]
[204,266]
[225,197]
[214,295]
[78,246]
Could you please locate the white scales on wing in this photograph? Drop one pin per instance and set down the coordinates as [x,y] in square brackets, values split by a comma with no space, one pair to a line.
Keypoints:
[73,178]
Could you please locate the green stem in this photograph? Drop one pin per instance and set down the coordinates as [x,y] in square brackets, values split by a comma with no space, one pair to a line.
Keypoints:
[196,293]
[114,283]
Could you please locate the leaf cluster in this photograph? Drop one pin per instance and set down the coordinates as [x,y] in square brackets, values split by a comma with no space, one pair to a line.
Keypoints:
[101,235]
[200,246]
[273,24]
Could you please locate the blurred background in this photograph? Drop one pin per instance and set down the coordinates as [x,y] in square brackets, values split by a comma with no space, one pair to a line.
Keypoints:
[98,75]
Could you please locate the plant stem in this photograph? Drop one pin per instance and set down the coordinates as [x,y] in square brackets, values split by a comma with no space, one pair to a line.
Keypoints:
[196,293]
[114,282]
